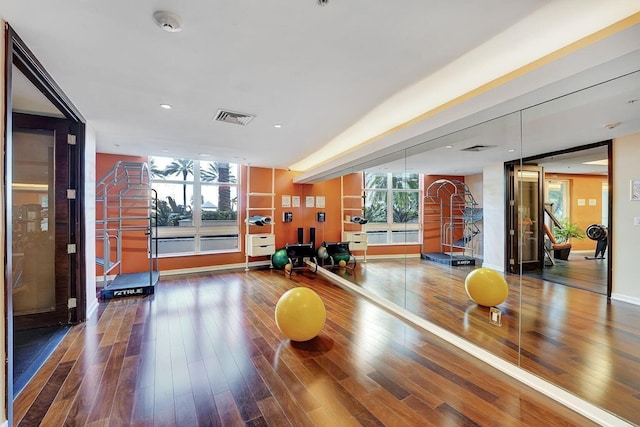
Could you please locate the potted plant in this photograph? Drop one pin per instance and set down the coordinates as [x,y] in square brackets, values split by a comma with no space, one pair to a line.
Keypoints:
[568,230]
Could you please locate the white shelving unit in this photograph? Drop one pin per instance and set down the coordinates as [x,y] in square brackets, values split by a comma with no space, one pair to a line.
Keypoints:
[259,239]
[352,232]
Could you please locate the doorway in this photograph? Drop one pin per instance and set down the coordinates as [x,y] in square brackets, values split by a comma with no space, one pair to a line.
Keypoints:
[44,262]
[575,189]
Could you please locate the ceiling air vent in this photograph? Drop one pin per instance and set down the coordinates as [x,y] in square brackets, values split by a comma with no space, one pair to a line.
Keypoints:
[233,117]
[478,148]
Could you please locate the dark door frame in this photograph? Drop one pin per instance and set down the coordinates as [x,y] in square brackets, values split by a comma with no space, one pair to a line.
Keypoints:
[610,225]
[17,53]
[514,263]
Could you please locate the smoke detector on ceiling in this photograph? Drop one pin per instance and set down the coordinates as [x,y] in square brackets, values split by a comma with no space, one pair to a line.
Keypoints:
[168,21]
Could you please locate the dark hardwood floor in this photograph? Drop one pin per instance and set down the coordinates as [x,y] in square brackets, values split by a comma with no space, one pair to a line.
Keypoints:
[205,350]
[574,338]
[577,272]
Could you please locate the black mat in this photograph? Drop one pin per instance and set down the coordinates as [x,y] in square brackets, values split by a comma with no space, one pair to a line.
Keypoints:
[31,348]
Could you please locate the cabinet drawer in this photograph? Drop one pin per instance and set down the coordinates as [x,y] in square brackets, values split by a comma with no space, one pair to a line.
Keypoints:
[357,240]
[263,250]
[355,236]
[358,246]
[261,244]
[260,239]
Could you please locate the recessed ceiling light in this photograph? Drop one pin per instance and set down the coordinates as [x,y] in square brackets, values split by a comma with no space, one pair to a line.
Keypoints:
[511,150]
[277,125]
[448,146]
[166,106]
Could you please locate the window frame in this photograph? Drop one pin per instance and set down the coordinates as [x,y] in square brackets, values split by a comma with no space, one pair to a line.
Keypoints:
[390,226]
[197,230]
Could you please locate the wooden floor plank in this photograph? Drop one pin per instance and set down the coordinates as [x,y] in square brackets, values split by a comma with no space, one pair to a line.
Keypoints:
[205,350]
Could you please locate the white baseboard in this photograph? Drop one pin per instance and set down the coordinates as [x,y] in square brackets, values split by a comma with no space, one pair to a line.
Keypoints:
[209,268]
[625,298]
[204,269]
[390,256]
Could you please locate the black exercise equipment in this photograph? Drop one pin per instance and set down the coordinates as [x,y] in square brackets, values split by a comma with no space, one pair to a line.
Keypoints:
[297,252]
[600,234]
[334,252]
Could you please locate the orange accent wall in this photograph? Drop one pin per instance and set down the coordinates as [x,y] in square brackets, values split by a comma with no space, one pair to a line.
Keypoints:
[585,187]
[134,244]
[330,230]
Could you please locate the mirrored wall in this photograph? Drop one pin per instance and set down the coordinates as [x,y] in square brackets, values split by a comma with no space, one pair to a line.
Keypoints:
[505,177]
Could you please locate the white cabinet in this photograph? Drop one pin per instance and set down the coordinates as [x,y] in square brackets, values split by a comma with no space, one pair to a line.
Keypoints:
[260,235]
[357,240]
[352,205]
[261,244]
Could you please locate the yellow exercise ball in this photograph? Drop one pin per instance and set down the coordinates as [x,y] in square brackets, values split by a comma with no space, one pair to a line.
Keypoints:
[300,314]
[486,287]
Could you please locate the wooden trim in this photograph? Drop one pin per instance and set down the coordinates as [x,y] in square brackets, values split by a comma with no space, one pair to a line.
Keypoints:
[18,54]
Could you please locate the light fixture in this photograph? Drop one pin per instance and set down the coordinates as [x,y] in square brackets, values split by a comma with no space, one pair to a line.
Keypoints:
[168,21]
[601,162]
[511,150]
[166,106]
[277,125]
[323,2]
[611,125]
[448,147]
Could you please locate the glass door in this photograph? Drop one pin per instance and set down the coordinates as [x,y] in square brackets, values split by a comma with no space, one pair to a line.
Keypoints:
[526,250]
[40,221]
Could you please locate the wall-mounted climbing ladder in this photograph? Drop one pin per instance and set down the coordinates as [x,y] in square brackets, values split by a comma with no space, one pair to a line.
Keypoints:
[125,206]
[450,205]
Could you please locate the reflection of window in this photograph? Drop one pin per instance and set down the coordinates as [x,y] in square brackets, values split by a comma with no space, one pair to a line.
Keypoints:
[197,207]
[557,194]
[392,207]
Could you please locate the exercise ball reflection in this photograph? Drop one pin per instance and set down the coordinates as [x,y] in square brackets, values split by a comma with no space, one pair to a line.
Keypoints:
[300,314]
[486,287]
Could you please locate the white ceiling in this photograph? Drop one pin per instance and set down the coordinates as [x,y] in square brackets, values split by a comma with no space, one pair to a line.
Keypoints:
[315,70]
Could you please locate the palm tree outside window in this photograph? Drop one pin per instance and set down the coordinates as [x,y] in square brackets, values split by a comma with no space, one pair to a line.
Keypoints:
[197,205]
[392,207]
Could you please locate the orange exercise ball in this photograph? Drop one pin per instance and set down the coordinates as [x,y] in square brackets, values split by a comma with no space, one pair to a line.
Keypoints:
[300,314]
[486,287]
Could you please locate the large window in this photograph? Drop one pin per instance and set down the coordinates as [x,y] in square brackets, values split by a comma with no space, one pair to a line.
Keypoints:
[392,207]
[197,209]
[557,196]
